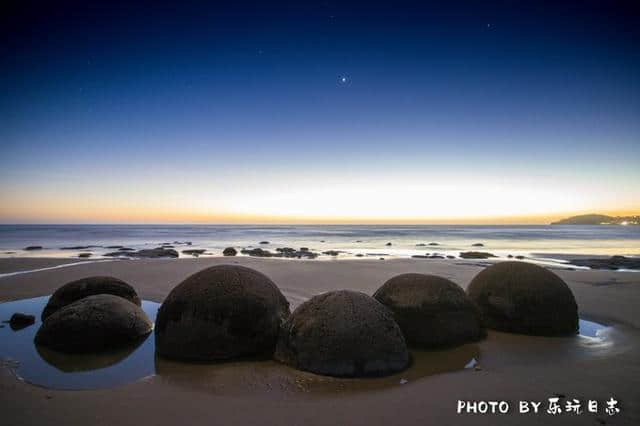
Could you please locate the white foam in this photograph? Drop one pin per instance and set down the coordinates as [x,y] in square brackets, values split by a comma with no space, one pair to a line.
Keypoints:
[65,265]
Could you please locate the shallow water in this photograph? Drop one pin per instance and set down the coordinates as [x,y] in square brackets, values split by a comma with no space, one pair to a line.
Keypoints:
[590,328]
[44,367]
[366,240]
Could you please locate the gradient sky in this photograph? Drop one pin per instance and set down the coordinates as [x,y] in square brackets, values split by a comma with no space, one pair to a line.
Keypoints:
[393,112]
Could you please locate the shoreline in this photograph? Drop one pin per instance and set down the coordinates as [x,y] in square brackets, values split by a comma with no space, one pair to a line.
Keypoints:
[511,367]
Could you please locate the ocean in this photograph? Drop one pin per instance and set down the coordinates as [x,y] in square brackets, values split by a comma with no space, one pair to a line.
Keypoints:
[536,241]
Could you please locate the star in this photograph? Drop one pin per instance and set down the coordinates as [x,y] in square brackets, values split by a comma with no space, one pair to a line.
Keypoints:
[343,79]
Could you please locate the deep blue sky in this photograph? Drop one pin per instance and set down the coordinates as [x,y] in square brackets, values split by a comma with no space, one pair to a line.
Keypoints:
[121,106]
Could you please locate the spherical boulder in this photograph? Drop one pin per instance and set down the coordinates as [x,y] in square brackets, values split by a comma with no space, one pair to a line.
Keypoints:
[89,286]
[431,311]
[229,251]
[343,333]
[94,323]
[521,297]
[219,313]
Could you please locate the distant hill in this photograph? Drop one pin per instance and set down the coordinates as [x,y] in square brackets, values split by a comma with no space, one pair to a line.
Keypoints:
[599,219]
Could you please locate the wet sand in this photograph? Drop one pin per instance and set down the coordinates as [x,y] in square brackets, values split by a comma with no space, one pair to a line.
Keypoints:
[511,367]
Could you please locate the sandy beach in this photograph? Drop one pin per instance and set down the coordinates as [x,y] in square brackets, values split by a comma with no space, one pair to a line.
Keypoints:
[510,367]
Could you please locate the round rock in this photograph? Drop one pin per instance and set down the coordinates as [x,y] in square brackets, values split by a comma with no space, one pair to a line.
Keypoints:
[94,323]
[219,313]
[521,297]
[431,311]
[343,333]
[89,286]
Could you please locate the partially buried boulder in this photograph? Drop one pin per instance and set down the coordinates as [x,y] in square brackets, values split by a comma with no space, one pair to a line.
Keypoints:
[521,297]
[89,286]
[343,333]
[219,313]
[431,311]
[93,324]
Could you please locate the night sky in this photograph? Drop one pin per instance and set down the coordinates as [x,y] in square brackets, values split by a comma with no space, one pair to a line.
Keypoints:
[389,112]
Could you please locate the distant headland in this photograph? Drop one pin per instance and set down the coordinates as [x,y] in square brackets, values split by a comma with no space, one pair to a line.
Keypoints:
[599,219]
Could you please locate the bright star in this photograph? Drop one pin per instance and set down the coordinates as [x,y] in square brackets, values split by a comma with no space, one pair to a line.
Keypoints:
[343,80]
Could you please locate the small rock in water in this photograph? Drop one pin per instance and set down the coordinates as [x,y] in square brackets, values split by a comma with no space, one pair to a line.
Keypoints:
[613,263]
[30,248]
[229,251]
[520,257]
[388,244]
[359,255]
[114,247]
[475,255]
[477,245]
[194,251]
[510,256]
[264,242]
[421,245]
[450,257]
[434,244]
[331,252]
[19,321]
[84,255]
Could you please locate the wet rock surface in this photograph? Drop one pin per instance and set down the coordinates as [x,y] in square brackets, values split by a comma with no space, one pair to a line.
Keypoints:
[18,321]
[612,263]
[476,255]
[229,251]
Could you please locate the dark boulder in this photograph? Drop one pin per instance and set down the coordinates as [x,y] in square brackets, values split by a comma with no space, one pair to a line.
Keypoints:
[18,321]
[257,252]
[476,255]
[388,244]
[31,248]
[434,244]
[331,252]
[89,286]
[521,297]
[194,251]
[154,253]
[229,251]
[84,255]
[343,333]
[612,263]
[431,311]
[264,242]
[95,323]
[477,245]
[219,313]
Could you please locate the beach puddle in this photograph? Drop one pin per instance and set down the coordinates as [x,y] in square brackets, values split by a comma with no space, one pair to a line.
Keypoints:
[591,329]
[44,367]
[51,369]
[268,376]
